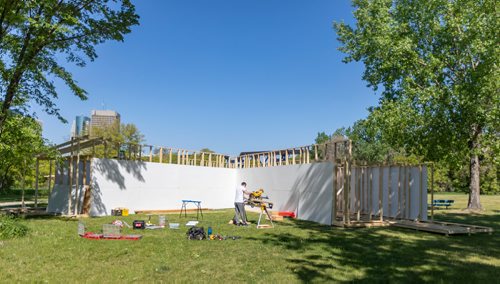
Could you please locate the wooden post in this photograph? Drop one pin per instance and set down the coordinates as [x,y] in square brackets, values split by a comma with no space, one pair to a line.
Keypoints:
[84,172]
[37,172]
[432,192]
[307,155]
[280,158]
[334,199]
[170,156]
[399,193]
[344,191]
[421,190]
[389,194]
[358,193]
[348,192]
[409,193]
[293,156]
[161,155]
[210,159]
[50,176]
[301,156]
[367,188]
[405,190]
[70,176]
[334,151]
[253,161]
[316,152]
[380,193]
[77,183]
[370,196]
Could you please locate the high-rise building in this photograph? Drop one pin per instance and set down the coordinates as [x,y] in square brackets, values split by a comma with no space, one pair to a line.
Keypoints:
[80,126]
[103,118]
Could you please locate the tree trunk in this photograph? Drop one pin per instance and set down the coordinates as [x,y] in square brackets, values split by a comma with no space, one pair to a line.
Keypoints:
[474,187]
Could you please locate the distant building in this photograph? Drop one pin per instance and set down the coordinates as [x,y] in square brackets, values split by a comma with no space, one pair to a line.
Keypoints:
[80,126]
[103,118]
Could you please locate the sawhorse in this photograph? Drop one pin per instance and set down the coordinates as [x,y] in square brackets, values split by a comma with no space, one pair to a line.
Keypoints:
[198,208]
[263,209]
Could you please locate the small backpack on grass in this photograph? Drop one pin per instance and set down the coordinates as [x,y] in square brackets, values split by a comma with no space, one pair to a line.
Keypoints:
[196,233]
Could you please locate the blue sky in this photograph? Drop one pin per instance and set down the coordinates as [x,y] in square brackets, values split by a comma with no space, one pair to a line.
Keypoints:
[229,75]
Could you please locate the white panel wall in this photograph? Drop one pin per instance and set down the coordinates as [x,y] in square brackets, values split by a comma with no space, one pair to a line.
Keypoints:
[143,186]
[147,186]
[305,189]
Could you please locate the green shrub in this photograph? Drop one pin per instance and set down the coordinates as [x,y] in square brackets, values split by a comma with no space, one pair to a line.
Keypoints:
[11,227]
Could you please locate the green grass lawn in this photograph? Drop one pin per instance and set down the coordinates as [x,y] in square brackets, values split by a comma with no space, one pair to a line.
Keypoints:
[294,251]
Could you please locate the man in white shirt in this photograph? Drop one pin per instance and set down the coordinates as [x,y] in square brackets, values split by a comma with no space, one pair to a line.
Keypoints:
[239,206]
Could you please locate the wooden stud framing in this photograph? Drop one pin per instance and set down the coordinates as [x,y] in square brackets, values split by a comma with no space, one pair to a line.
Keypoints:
[37,172]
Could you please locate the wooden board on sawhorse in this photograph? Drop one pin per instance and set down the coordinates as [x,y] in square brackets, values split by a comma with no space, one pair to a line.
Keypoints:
[263,226]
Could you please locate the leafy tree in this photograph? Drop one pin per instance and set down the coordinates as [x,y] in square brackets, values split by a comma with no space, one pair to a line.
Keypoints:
[19,145]
[436,62]
[124,137]
[321,138]
[33,36]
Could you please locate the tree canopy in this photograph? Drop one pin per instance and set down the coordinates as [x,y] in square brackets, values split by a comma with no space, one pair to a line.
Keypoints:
[18,146]
[435,63]
[36,34]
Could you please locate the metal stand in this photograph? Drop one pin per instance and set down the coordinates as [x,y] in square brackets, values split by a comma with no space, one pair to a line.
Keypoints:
[198,208]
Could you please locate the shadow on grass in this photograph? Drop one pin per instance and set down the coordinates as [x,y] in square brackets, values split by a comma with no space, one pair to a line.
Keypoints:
[389,254]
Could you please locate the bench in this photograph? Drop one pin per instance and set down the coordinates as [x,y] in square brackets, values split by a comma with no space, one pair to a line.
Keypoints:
[442,202]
